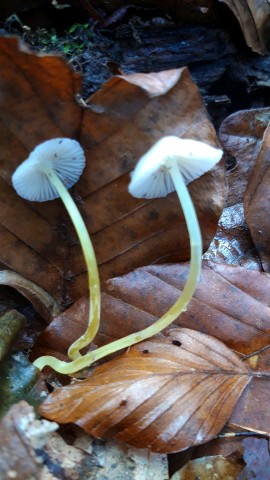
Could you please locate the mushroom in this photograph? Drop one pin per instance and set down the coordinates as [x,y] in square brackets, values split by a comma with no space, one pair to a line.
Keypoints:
[51,168]
[169,165]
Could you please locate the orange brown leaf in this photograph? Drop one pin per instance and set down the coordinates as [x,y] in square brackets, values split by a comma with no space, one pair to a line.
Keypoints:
[163,394]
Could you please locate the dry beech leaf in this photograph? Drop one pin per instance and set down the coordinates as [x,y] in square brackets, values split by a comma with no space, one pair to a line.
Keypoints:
[254,18]
[42,301]
[257,202]
[241,135]
[230,303]
[252,412]
[163,394]
[214,467]
[37,103]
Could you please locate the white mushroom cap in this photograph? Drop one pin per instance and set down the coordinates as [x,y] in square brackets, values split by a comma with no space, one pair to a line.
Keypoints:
[151,177]
[62,155]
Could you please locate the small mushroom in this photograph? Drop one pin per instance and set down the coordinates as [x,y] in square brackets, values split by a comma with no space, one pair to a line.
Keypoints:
[51,168]
[169,165]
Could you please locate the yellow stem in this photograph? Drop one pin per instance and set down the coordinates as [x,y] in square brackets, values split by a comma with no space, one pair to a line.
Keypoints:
[91,264]
[179,306]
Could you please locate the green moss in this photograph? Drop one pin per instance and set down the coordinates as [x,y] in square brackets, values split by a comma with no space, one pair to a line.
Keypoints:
[71,43]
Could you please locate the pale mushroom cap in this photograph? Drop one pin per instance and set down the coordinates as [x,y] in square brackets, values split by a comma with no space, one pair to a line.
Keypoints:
[151,177]
[62,155]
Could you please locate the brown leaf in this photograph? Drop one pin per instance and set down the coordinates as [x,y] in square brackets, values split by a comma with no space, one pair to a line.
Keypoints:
[214,467]
[230,303]
[21,435]
[165,395]
[37,103]
[241,135]
[254,19]
[252,412]
[257,202]
[41,300]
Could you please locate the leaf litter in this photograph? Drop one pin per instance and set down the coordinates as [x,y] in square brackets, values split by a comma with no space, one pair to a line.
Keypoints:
[158,395]
[126,232]
[250,283]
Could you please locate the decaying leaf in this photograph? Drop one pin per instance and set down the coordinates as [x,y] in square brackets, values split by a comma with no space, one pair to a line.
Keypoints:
[254,18]
[116,460]
[42,301]
[85,458]
[257,202]
[37,103]
[257,458]
[21,435]
[218,468]
[233,243]
[241,135]
[30,449]
[230,303]
[163,394]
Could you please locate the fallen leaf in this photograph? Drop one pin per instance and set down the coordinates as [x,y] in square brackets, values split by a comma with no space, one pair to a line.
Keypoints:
[257,458]
[164,394]
[257,202]
[254,19]
[116,460]
[252,412]
[222,445]
[218,468]
[21,436]
[230,303]
[37,103]
[41,300]
[82,457]
[31,449]
[233,243]
[241,135]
